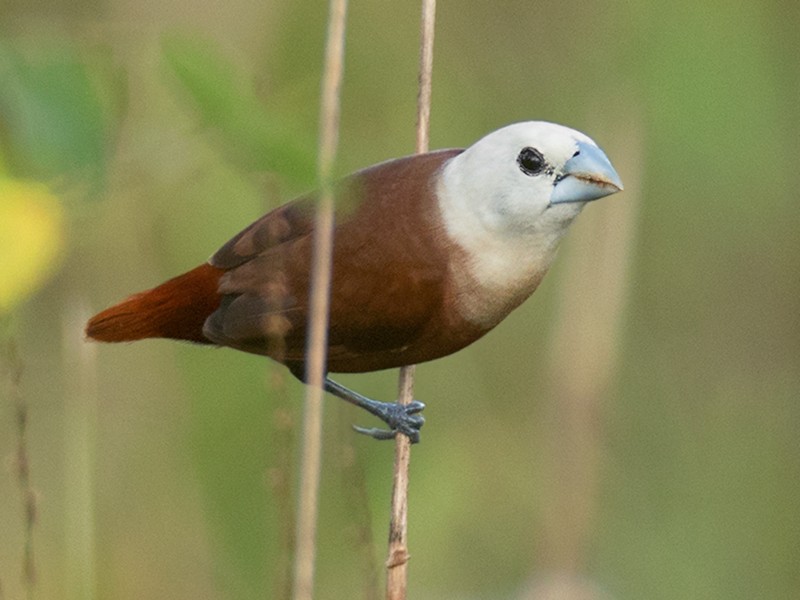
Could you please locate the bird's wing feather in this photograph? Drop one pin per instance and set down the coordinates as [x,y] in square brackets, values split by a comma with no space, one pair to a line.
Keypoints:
[387,268]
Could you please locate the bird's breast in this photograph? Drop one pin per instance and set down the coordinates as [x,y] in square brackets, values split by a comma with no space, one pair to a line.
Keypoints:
[484,288]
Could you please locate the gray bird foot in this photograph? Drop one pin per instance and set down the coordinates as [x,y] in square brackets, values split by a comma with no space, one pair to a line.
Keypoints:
[401,418]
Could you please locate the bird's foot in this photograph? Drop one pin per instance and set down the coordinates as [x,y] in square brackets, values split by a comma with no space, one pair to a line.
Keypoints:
[401,418]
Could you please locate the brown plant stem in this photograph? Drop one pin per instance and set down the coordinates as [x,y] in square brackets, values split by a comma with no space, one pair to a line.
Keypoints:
[12,371]
[320,299]
[585,345]
[80,460]
[397,561]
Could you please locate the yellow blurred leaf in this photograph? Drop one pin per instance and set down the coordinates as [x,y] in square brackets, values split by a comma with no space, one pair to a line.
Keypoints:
[31,238]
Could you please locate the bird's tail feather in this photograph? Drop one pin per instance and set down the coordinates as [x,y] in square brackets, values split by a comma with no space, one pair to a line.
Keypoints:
[175,309]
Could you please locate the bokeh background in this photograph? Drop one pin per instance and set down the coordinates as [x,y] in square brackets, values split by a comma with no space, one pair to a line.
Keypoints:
[630,432]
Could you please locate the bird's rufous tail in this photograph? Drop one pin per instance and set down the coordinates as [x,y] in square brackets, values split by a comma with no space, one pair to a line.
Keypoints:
[175,309]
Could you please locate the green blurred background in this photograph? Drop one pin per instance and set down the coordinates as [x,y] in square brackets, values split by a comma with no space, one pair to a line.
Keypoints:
[630,432]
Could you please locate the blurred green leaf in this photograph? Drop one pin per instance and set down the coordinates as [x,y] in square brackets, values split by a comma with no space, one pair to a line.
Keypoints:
[256,139]
[55,116]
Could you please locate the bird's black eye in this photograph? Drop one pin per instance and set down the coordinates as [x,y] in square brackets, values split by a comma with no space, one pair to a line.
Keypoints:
[530,161]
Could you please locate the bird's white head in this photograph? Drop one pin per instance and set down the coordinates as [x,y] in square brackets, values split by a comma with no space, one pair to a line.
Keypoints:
[507,200]
[529,175]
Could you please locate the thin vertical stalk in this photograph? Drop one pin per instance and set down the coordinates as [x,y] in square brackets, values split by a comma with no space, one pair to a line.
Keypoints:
[305,552]
[11,370]
[425,75]
[80,424]
[397,561]
[586,347]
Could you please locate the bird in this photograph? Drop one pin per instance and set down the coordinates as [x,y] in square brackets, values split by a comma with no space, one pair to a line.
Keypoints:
[430,252]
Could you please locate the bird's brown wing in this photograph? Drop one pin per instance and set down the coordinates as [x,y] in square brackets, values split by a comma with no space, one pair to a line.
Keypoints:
[388,271]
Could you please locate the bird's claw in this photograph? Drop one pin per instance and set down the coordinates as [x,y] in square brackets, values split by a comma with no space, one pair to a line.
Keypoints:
[401,418]
[376,432]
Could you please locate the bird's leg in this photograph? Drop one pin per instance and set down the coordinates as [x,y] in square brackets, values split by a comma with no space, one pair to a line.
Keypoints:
[401,418]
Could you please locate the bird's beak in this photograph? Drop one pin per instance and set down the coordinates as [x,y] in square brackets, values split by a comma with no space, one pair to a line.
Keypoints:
[588,175]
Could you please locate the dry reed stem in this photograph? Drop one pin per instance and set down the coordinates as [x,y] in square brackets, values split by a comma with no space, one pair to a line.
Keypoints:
[280,475]
[80,428]
[320,298]
[12,370]
[280,478]
[584,352]
[359,517]
[397,561]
